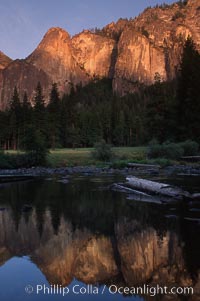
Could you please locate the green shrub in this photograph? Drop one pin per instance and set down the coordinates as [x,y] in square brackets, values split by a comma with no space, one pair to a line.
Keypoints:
[190,148]
[102,151]
[167,150]
[172,151]
[29,159]
[26,160]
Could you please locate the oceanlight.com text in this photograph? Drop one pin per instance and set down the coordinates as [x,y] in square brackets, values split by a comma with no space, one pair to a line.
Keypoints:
[77,289]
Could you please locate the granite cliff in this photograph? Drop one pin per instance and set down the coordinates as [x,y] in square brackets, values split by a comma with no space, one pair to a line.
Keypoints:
[128,51]
[152,44]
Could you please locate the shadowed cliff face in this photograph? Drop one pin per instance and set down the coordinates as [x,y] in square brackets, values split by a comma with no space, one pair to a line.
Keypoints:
[19,74]
[129,52]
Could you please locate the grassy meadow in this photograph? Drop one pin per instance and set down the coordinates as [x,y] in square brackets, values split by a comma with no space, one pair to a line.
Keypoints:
[83,157]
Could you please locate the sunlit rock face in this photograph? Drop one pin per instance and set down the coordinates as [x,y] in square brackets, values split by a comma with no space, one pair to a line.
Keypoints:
[137,61]
[94,54]
[193,20]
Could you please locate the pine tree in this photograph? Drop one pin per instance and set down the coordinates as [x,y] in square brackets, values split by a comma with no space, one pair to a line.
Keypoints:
[15,119]
[26,117]
[39,111]
[53,110]
[70,119]
[63,120]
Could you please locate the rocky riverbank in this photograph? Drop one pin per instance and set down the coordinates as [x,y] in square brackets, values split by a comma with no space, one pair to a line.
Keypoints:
[190,170]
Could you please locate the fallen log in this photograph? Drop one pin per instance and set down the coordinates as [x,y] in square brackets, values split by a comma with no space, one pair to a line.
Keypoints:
[141,196]
[157,188]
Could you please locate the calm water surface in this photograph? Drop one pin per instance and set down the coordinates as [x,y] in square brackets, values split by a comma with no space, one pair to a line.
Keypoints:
[80,232]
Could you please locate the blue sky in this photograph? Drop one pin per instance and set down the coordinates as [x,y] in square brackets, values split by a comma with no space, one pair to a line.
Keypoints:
[23,23]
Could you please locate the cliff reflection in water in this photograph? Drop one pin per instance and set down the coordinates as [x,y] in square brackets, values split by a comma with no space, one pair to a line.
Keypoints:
[96,236]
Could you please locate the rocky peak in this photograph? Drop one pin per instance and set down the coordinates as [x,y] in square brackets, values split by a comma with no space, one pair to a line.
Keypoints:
[55,42]
[4,60]
[54,56]
[52,38]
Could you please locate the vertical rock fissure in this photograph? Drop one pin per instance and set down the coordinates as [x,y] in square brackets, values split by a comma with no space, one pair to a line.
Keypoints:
[113,61]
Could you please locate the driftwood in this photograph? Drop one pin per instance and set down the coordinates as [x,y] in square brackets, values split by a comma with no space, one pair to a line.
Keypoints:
[157,188]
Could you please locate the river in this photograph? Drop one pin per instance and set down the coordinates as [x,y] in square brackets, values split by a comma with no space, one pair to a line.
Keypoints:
[75,239]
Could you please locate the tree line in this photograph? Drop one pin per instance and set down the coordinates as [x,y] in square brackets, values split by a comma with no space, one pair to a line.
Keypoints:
[164,111]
